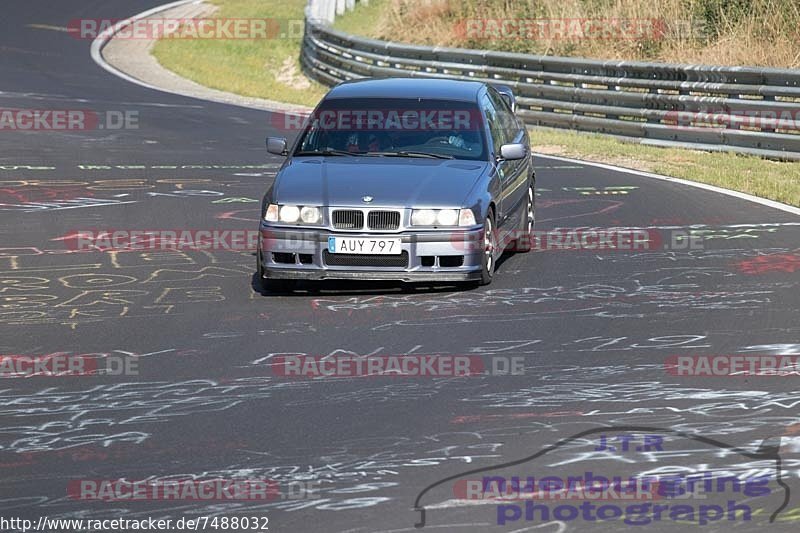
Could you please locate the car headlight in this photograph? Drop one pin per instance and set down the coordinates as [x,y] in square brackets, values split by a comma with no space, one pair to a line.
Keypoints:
[293,214]
[442,217]
[289,213]
[310,215]
[423,217]
[447,217]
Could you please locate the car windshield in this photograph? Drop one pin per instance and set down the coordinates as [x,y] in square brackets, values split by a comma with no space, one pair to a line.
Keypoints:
[395,127]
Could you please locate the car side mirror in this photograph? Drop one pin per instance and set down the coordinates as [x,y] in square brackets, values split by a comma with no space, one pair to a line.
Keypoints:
[277,146]
[514,151]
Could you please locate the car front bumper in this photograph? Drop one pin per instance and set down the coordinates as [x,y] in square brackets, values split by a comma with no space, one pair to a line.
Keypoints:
[425,256]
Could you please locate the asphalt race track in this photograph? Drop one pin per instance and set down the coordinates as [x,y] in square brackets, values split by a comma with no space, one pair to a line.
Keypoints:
[595,329]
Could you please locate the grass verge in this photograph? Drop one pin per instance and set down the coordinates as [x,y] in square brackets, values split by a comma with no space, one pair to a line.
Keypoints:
[717,32]
[262,68]
[774,180]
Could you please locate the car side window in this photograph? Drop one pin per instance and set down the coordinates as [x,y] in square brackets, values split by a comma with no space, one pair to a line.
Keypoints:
[494,122]
[508,121]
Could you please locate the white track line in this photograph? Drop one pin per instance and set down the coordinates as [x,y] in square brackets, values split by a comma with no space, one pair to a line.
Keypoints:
[103,38]
[713,188]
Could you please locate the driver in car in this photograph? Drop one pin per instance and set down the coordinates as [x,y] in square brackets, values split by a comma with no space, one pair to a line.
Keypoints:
[468,141]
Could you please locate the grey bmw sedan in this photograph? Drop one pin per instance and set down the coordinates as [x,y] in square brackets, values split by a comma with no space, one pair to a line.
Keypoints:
[399,179]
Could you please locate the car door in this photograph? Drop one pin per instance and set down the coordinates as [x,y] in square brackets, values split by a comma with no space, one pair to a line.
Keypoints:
[497,138]
[503,127]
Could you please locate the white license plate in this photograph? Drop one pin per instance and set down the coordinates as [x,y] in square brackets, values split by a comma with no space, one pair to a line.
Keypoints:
[364,245]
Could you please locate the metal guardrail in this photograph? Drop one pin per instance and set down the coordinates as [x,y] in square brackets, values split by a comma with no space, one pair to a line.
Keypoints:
[753,111]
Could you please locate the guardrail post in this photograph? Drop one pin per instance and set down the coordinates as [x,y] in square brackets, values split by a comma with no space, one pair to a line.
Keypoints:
[318,9]
[330,11]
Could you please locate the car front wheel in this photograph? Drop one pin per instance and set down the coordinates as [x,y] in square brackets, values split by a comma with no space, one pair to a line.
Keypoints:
[489,249]
[523,243]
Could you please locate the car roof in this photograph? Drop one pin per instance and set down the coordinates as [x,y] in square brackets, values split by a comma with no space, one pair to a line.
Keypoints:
[439,89]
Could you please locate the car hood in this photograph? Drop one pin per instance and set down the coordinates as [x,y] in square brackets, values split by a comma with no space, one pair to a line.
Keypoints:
[391,182]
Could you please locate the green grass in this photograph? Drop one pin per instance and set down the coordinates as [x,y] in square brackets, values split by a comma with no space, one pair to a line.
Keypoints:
[362,17]
[246,67]
[717,32]
[768,179]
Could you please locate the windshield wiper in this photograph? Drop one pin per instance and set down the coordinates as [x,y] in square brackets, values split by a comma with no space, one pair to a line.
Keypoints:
[411,153]
[328,152]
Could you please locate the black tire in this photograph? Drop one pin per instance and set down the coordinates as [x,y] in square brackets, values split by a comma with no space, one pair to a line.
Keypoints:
[489,247]
[524,245]
[260,285]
